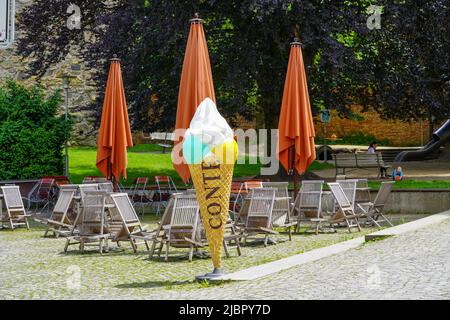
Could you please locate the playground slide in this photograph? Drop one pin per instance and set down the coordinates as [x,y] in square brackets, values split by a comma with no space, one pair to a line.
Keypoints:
[440,137]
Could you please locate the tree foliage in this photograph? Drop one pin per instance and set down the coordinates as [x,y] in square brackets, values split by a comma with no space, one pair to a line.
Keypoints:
[397,69]
[31,134]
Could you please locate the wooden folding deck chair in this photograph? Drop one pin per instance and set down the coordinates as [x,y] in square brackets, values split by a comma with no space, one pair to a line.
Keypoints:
[349,188]
[183,231]
[307,207]
[345,211]
[124,221]
[15,214]
[90,223]
[158,235]
[374,211]
[259,216]
[60,222]
[281,212]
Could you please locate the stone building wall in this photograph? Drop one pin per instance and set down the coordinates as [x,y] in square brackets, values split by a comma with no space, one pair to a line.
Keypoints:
[82,87]
[399,133]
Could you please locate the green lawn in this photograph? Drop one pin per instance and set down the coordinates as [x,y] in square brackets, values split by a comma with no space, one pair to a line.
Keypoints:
[146,160]
[415,184]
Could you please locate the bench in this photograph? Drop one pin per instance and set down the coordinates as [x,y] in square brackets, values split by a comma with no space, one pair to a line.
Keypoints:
[358,161]
[165,139]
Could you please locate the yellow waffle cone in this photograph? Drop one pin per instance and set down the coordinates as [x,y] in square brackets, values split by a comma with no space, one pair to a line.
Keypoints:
[212,182]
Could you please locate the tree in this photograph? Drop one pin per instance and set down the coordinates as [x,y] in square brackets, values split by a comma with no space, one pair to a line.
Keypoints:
[409,63]
[249,44]
[347,64]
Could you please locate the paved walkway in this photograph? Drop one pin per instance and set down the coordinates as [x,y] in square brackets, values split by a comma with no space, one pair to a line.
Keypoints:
[423,170]
[415,265]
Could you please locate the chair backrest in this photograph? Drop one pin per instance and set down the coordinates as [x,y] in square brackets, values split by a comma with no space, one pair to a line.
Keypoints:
[84,188]
[165,184]
[282,205]
[309,198]
[349,188]
[94,179]
[93,214]
[106,186]
[64,201]
[383,194]
[44,188]
[251,184]
[362,191]
[61,180]
[339,195]
[167,215]
[68,187]
[260,207]
[12,197]
[185,212]
[125,208]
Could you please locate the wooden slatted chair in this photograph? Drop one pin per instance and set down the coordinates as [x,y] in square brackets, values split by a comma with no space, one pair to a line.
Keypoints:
[15,214]
[90,223]
[345,212]
[281,212]
[373,211]
[158,236]
[307,207]
[244,199]
[259,216]
[349,188]
[60,223]
[124,221]
[183,231]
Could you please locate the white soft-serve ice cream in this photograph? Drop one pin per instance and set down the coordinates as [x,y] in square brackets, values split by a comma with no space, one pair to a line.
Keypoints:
[209,137]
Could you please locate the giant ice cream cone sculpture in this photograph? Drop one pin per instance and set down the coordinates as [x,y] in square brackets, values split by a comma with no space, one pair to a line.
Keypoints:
[211,151]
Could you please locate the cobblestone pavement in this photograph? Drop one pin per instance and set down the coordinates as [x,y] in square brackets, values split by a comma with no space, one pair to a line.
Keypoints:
[411,266]
[414,265]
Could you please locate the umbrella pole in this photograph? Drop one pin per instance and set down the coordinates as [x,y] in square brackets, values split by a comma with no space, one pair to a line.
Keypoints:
[295,174]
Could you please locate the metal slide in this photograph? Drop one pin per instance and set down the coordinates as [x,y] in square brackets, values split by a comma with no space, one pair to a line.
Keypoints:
[440,137]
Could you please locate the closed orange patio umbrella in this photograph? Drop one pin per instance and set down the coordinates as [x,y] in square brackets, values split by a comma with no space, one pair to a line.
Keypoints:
[296,148]
[114,135]
[196,85]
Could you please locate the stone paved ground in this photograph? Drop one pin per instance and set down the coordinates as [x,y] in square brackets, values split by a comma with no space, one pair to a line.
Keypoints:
[414,265]
[411,266]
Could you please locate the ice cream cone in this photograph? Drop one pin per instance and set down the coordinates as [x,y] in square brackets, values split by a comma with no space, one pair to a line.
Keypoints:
[212,182]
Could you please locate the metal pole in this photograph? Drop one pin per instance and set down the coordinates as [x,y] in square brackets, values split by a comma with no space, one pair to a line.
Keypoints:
[325,153]
[294,172]
[66,102]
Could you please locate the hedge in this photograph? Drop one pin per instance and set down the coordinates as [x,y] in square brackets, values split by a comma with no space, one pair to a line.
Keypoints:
[32,134]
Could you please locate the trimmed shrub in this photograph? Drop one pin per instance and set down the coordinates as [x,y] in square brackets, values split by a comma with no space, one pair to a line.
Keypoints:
[32,134]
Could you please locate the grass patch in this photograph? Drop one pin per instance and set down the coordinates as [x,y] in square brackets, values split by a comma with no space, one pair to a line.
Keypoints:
[147,160]
[415,184]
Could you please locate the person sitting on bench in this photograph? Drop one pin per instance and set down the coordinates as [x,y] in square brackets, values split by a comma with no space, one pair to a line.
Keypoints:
[373,149]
